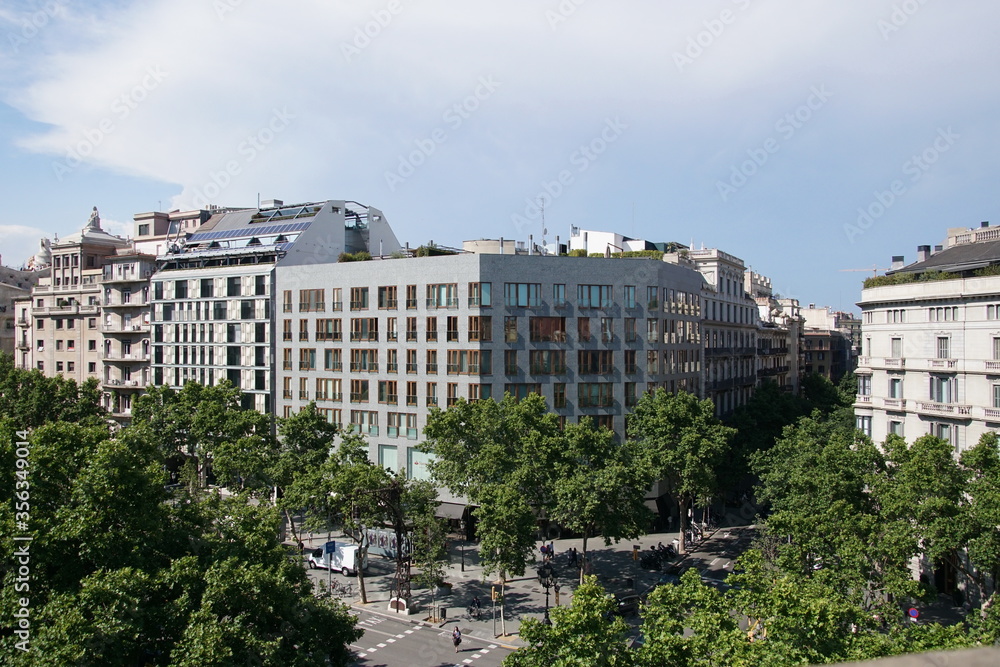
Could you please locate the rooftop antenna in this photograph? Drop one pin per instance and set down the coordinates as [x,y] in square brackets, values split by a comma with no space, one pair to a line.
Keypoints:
[541,203]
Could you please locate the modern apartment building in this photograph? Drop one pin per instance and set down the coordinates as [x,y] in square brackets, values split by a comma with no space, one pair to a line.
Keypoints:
[377,344]
[214,291]
[930,359]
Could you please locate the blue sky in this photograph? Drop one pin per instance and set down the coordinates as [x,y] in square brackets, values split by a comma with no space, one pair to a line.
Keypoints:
[756,126]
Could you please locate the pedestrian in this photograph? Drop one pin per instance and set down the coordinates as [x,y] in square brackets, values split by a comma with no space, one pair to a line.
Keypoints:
[456,638]
[552,549]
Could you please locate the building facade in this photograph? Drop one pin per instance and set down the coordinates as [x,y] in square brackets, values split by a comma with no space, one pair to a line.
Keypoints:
[930,361]
[378,344]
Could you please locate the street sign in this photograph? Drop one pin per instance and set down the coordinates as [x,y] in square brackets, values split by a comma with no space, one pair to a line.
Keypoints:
[329,547]
[914,613]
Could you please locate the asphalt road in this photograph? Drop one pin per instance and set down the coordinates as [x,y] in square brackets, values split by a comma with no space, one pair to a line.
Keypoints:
[391,643]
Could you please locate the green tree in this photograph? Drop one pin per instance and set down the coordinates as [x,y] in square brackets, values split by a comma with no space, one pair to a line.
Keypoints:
[681,442]
[600,487]
[580,634]
[30,399]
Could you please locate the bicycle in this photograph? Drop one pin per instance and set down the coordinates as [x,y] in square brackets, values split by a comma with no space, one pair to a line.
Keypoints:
[342,589]
[475,613]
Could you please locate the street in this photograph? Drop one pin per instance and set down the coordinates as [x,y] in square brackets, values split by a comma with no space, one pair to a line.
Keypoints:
[388,642]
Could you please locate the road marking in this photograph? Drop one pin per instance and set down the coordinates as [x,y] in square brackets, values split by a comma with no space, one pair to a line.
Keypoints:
[409,632]
[390,640]
[401,636]
[715,561]
[381,645]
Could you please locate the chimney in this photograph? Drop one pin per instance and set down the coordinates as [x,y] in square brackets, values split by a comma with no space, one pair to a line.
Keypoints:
[923,252]
[984,223]
[501,245]
[898,261]
[531,243]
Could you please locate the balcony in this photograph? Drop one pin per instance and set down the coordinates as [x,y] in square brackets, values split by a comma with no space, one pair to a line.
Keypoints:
[123,384]
[945,408]
[125,328]
[863,398]
[450,302]
[893,403]
[992,413]
[894,362]
[992,366]
[943,364]
[117,356]
[135,303]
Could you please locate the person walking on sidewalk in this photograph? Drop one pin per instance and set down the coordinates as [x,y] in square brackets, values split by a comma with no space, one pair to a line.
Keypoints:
[456,638]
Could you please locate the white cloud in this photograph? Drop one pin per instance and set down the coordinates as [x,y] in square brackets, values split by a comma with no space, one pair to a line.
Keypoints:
[19,244]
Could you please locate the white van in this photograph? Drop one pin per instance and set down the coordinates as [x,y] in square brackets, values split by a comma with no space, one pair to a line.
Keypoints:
[339,556]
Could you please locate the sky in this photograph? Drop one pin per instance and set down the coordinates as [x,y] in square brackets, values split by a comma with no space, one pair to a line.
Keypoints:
[810,139]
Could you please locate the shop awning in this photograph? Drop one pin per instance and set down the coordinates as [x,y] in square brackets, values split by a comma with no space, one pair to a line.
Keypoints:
[450,511]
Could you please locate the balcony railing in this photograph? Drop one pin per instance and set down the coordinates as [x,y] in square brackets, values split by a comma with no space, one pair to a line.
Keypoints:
[863,398]
[893,403]
[943,363]
[895,362]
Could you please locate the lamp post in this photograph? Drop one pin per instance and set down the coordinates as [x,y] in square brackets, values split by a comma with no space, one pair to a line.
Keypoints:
[461,525]
[547,578]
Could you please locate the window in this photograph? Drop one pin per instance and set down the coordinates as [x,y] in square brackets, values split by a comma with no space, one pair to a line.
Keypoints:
[411,361]
[329,329]
[607,329]
[286,330]
[303,330]
[945,432]
[432,329]
[307,359]
[992,312]
[651,301]
[943,347]
[91,345]
[629,296]
[595,394]
[333,360]
[411,393]
[464,361]
[896,348]
[451,331]
[387,297]
[630,334]
[443,295]
[480,328]
[630,365]
[865,385]
[432,361]
[510,329]
[653,331]
[337,302]
[630,394]
[329,389]
[523,295]
[432,393]
[480,295]
[392,361]
[559,296]
[559,395]
[411,297]
[593,296]
[359,391]
[942,389]
[312,301]
[387,392]
[391,333]
[896,428]
[286,358]
[451,393]
[510,362]
[547,329]
[996,396]
[546,362]
[591,362]
[233,287]
[364,328]
[91,322]
[479,392]
[895,387]
[393,422]
[411,329]
[359,298]
[365,361]
[583,329]
[996,349]
[652,362]
[864,424]
[520,391]
[286,299]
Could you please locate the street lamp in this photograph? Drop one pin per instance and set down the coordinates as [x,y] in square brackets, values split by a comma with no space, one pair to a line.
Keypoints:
[547,578]
[461,527]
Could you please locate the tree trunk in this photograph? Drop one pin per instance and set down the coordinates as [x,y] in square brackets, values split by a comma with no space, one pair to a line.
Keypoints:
[583,562]
[682,504]
[361,576]
[291,526]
